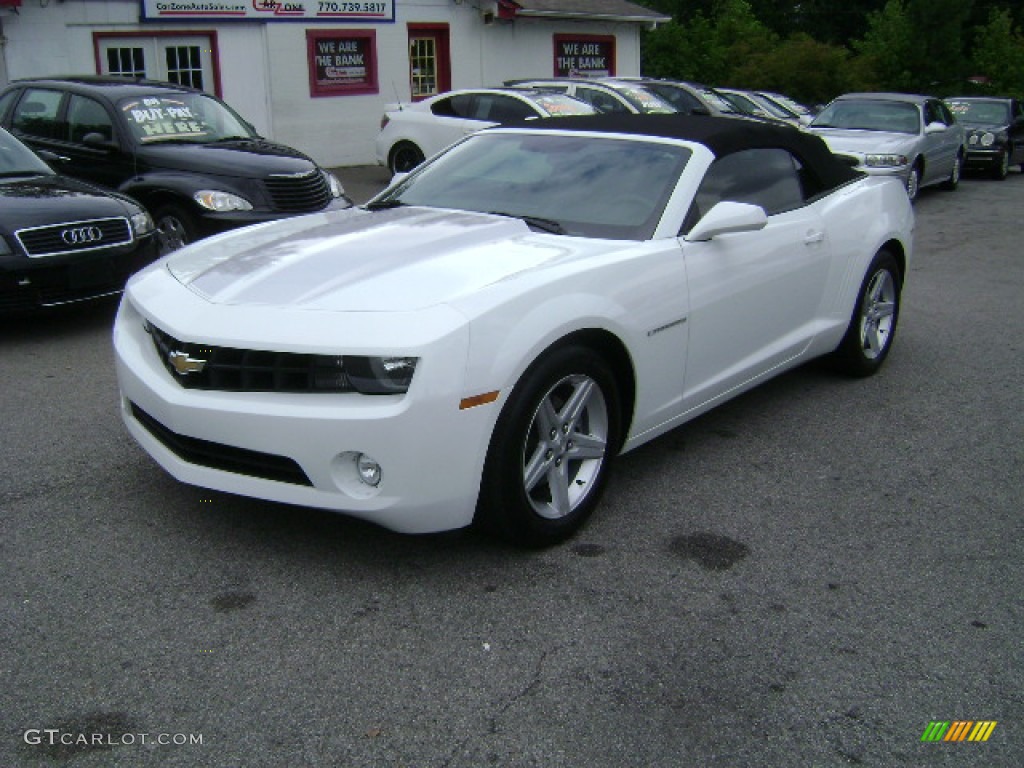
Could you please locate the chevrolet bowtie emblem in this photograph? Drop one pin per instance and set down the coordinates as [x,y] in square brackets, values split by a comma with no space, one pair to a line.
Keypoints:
[183,364]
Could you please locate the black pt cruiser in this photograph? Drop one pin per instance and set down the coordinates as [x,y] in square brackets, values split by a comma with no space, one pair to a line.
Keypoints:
[63,240]
[191,160]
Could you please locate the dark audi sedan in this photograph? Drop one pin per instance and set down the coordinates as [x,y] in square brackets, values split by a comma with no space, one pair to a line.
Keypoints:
[995,132]
[63,240]
[191,160]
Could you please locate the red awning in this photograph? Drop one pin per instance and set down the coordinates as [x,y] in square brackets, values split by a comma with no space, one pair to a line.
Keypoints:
[10,3]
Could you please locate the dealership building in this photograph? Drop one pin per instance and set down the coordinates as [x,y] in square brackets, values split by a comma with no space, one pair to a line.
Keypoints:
[317,74]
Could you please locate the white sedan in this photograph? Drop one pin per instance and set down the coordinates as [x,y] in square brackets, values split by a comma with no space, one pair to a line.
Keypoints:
[410,133]
[480,341]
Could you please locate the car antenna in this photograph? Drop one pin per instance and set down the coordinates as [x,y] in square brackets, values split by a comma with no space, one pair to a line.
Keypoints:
[398,98]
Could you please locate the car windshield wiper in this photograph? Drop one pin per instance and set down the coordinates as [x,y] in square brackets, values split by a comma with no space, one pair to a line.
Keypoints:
[383,205]
[535,222]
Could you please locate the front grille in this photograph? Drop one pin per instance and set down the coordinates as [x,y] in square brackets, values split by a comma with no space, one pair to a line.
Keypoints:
[299,194]
[227,458]
[247,370]
[75,236]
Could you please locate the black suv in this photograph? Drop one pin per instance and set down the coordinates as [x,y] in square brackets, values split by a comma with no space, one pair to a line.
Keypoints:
[188,157]
[63,240]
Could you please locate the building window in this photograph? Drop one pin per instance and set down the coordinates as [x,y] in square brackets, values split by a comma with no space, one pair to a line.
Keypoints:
[423,66]
[188,59]
[584,55]
[184,65]
[126,62]
[342,62]
[429,62]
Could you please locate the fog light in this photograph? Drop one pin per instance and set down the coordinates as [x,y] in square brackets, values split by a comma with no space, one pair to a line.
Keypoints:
[369,470]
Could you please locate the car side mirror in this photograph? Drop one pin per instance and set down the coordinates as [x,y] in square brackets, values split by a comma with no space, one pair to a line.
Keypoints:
[727,218]
[935,127]
[97,140]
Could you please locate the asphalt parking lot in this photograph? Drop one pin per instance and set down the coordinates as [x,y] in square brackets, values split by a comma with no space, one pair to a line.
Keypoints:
[808,576]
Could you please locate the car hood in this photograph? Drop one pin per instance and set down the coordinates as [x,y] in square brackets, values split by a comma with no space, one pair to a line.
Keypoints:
[357,260]
[246,158]
[36,201]
[875,142]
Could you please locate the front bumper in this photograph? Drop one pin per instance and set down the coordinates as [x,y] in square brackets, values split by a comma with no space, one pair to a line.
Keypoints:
[979,159]
[29,284]
[301,448]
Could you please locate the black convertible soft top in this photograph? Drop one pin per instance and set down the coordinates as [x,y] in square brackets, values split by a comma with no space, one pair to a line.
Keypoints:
[721,134]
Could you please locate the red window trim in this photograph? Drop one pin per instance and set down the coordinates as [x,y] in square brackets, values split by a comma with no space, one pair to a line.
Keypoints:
[354,89]
[444,57]
[97,37]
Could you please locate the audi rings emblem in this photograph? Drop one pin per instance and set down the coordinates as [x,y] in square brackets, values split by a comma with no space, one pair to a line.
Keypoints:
[81,235]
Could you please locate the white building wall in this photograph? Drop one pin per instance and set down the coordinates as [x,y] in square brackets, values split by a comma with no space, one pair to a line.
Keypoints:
[264,69]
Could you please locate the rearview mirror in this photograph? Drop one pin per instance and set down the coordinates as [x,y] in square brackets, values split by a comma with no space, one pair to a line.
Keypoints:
[727,218]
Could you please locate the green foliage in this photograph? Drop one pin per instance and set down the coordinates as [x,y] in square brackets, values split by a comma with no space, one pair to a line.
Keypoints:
[999,55]
[816,49]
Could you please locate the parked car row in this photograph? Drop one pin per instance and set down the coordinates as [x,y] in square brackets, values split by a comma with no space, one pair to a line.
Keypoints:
[192,163]
[917,139]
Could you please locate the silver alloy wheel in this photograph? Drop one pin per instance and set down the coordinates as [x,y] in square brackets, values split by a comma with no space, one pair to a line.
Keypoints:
[171,233]
[877,314]
[913,180]
[565,446]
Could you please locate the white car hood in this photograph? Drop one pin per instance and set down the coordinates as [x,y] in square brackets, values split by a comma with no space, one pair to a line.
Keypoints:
[356,260]
[873,142]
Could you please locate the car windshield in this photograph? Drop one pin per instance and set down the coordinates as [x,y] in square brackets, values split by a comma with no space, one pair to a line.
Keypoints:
[983,112]
[889,116]
[580,185]
[191,117]
[557,104]
[18,160]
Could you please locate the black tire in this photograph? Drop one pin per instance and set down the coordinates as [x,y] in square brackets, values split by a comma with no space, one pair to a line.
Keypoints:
[175,228]
[404,157]
[1001,167]
[552,449]
[872,326]
[954,175]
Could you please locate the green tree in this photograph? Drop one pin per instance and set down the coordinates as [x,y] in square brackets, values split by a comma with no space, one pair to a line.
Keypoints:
[800,67]
[999,55]
[884,53]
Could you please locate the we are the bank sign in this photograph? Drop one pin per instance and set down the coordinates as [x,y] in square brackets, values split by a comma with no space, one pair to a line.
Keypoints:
[268,10]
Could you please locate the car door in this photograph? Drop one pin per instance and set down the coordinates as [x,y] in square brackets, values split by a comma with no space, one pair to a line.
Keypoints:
[57,123]
[1016,131]
[754,296]
[940,147]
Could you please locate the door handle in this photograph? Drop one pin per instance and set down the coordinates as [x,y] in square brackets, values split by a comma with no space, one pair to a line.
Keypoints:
[814,237]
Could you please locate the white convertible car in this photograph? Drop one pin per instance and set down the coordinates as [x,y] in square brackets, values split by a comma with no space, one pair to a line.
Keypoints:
[480,341]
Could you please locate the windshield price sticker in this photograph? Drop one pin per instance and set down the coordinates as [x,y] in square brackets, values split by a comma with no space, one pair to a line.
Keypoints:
[162,119]
[270,10]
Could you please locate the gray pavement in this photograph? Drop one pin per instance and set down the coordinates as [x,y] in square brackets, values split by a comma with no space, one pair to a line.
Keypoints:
[362,182]
[805,577]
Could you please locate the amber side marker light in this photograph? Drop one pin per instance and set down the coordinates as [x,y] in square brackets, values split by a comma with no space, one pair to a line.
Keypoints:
[475,400]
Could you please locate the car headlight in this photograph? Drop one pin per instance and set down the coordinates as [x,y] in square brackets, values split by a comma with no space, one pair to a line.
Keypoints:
[216,200]
[987,139]
[367,375]
[885,161]
[337,190]
[142,223]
